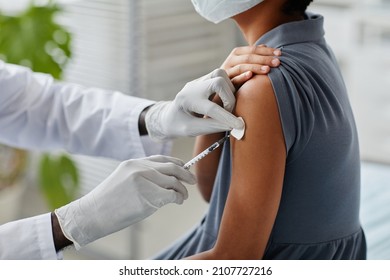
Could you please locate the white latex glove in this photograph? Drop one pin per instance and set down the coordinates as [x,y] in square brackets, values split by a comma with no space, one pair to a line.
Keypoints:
[169,119]
[134,191]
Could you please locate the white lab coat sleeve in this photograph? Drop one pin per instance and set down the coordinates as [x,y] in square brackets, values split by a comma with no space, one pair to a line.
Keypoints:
[28,239]
[38,113]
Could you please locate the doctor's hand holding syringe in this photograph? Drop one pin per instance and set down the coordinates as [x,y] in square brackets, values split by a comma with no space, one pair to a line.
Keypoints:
[38,113]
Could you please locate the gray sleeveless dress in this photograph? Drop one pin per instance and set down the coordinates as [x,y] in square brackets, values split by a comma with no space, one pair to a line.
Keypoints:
[318,217]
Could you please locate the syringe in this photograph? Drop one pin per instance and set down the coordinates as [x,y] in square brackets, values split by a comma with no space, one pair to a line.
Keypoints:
[205,152]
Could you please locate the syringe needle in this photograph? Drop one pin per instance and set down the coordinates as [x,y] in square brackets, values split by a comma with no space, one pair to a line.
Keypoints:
[205,152]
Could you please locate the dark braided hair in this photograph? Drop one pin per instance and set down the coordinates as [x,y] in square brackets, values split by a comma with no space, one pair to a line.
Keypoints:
[292,7]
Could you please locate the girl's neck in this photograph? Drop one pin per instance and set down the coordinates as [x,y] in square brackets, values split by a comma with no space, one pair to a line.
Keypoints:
[257,21]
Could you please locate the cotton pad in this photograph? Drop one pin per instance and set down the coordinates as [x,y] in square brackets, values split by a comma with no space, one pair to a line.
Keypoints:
[238,133]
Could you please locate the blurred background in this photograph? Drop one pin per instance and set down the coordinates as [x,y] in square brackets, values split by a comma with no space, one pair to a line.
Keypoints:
[151,48]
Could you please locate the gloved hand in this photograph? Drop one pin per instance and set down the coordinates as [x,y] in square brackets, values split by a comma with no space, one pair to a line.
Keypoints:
[135,190]
[169,119]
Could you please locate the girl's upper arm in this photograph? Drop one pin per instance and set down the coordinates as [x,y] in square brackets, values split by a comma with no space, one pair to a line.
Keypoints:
[258,165]
[206,169]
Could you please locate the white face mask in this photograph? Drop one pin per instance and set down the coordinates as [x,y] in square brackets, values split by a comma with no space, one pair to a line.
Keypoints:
[219,10]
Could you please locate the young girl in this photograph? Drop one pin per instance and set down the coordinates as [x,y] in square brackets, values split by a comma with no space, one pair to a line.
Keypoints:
[290,189]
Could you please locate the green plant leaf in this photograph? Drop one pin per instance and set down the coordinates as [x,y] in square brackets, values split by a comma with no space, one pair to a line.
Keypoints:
[59,180]
[69,176]
[34,39]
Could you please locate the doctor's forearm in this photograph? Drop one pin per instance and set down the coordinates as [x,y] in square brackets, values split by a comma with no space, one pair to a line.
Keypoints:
[60,241]
[39,113]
